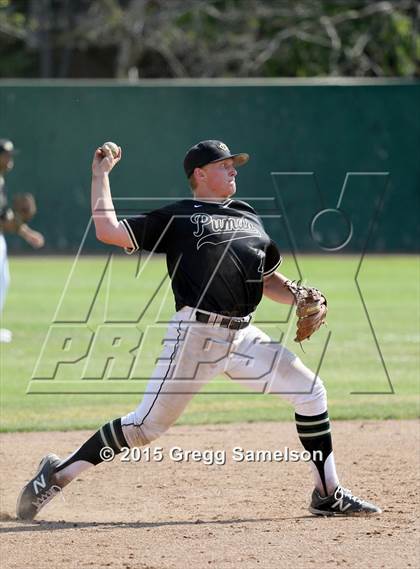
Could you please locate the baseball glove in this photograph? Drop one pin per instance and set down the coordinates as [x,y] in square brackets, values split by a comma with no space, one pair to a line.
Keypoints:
[24,207]
[311,309]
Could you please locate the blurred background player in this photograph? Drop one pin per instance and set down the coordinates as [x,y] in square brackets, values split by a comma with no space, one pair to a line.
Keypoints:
[9,223]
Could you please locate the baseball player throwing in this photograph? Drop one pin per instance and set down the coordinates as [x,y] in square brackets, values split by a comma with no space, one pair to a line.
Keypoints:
[221,261]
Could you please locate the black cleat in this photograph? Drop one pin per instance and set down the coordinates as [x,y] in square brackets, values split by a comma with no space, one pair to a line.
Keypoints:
[40,490]
[340,503]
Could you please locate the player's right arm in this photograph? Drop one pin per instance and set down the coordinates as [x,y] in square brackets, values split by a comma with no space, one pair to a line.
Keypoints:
[108,228]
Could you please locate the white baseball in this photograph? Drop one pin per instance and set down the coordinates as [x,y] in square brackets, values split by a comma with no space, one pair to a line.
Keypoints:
[112,147]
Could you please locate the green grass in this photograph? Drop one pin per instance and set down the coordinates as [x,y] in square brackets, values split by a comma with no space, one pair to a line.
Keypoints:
[390,286]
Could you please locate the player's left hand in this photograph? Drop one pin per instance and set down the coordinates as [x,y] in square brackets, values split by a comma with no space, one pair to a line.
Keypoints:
[311,309]
[34,238]
[104,160]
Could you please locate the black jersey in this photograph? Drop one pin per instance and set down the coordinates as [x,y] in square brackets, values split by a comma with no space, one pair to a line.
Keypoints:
[216,252]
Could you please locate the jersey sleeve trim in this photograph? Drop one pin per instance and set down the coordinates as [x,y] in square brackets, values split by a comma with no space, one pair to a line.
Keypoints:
[273,259]
[135,246]
[273,269]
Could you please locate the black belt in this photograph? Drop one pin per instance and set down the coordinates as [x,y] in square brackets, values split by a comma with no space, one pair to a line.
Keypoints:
[225,322]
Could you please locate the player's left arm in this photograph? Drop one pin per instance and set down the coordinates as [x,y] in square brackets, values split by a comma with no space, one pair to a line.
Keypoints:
[12,221]
[275,289]
[34,238]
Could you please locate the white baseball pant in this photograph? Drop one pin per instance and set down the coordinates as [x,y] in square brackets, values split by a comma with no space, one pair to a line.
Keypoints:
[4,271]
[195,352]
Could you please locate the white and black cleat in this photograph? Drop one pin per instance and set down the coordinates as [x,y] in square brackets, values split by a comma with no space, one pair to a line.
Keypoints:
[341,503]
[40,490]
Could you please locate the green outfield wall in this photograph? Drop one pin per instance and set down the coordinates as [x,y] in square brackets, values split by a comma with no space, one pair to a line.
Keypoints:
[333,166]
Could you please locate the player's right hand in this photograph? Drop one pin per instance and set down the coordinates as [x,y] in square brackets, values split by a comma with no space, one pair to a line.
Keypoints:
[104,161]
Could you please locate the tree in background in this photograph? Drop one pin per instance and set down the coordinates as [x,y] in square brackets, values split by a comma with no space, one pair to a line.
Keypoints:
[209,38]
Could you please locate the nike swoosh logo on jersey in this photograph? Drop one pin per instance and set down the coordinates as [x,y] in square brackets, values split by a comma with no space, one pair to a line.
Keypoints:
[213,239]
[197,205]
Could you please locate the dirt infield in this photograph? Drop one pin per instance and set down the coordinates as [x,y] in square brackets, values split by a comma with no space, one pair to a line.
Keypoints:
[170,514]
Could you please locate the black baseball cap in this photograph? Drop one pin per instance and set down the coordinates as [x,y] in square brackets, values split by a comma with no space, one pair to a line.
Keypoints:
[7,146]
[208,151]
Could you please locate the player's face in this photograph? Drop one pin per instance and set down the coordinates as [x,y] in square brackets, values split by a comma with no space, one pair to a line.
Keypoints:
[220,178]
[6,161]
